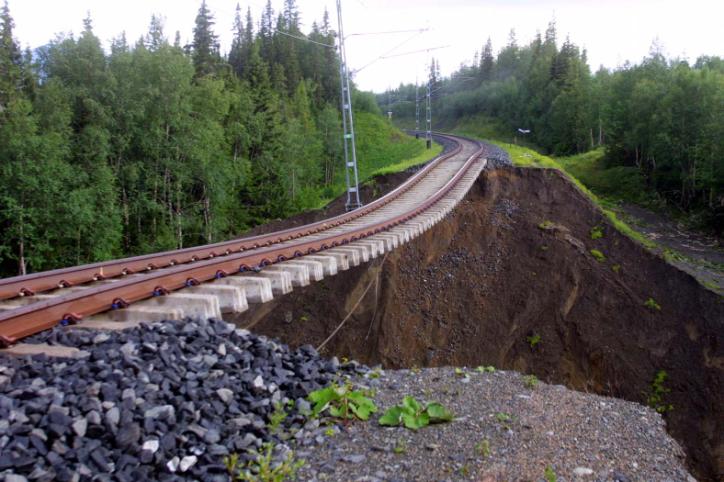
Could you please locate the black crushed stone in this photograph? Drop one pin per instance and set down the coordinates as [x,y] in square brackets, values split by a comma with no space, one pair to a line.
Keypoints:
[166,401]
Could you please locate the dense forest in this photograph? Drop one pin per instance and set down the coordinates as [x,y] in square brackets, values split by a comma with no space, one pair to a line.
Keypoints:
[156,145]
[662,116]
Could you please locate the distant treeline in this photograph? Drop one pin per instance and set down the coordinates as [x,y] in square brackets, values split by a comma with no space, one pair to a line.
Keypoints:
[663,116]
[156,145]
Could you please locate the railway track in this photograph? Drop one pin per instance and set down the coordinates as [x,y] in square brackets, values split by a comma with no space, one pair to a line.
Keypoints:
[225,277]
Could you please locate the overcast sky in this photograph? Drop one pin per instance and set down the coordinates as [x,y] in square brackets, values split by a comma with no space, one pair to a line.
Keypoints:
[612,31]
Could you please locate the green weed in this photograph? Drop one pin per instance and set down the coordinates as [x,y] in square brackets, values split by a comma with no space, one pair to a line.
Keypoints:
[600,257]
[546,225]
[597,232]
[341,401]
[652,304]
[262,468]
[483,448]
[655,399]
[413,415]
[533,340]
[549,474]
[530,381]
[504,419]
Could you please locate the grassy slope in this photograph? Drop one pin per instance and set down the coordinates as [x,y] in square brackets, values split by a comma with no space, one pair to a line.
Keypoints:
[381,149]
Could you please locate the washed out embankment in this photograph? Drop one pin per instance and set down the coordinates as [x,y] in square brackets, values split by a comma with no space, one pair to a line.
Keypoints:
[516,278]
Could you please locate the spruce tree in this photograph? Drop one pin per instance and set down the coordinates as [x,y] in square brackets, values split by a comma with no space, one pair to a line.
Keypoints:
[487,62]
[205,46]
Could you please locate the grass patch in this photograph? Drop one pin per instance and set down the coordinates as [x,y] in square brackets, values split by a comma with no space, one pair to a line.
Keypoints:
[381,149]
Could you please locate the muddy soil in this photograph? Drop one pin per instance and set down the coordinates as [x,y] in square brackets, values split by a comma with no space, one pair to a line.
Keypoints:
[509,280]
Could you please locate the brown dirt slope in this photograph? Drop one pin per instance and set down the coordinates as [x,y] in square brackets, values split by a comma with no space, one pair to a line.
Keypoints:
[513,265]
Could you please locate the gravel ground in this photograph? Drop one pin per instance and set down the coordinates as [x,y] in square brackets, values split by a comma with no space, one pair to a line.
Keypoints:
[162,402]
[580,436]
[169,401]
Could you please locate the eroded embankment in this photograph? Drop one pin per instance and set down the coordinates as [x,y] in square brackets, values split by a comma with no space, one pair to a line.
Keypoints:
[513,265]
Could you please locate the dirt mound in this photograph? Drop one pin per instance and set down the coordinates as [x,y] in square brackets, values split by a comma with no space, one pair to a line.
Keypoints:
[527,275]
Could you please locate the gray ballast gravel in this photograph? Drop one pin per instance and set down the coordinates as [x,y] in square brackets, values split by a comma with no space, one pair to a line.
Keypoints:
[162,402]
[580,436]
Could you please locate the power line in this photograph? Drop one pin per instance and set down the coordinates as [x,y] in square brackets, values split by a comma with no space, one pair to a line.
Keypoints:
[414,52]
[306,39]
[384,55]
[420,30]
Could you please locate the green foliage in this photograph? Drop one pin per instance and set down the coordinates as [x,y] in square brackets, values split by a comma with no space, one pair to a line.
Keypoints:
[652,304]
[341,401]
[400,447]
[600,257]
[153,146]
[262,467]
[483,448]
[549,474]
[414,416]
[655,399]
[533,340]
[616,268]
[530,381]
[485,369]
[277,417]
[596,232]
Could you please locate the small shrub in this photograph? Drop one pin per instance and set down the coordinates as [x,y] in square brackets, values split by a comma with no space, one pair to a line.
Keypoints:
[412,415]
[533,340]
[530,381]
[549,474]
[597,232]
[656,399]
[485,369]
[600,257]
[652,304]
[342,402]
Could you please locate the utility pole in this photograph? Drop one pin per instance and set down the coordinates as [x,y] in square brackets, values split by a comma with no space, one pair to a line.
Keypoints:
[417,111]
[350,154]
[428,114]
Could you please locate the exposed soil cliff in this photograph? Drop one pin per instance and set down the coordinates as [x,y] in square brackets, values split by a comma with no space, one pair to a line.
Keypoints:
[514,278]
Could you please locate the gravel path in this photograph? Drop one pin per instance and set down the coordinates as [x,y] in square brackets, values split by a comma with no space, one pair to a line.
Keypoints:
[580,436]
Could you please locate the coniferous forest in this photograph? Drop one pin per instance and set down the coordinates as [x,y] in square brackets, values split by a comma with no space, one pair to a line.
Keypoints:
[664,118]
[155,145]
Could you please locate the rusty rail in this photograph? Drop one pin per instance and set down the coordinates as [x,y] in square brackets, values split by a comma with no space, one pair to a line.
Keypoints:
[31,284]
[33,318]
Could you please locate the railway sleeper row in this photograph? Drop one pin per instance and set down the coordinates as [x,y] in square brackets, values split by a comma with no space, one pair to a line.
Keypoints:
[234,293]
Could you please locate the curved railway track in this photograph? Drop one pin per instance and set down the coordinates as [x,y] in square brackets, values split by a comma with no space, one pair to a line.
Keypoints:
[240,268]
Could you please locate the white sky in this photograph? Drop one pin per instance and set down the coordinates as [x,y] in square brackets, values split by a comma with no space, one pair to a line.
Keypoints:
[613,31]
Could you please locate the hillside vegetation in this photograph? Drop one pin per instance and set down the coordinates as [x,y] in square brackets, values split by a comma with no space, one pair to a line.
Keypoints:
[154,145]
[658,124]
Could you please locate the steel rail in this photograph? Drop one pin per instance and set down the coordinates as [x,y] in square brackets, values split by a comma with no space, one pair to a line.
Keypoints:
[36,317]
[31,284]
